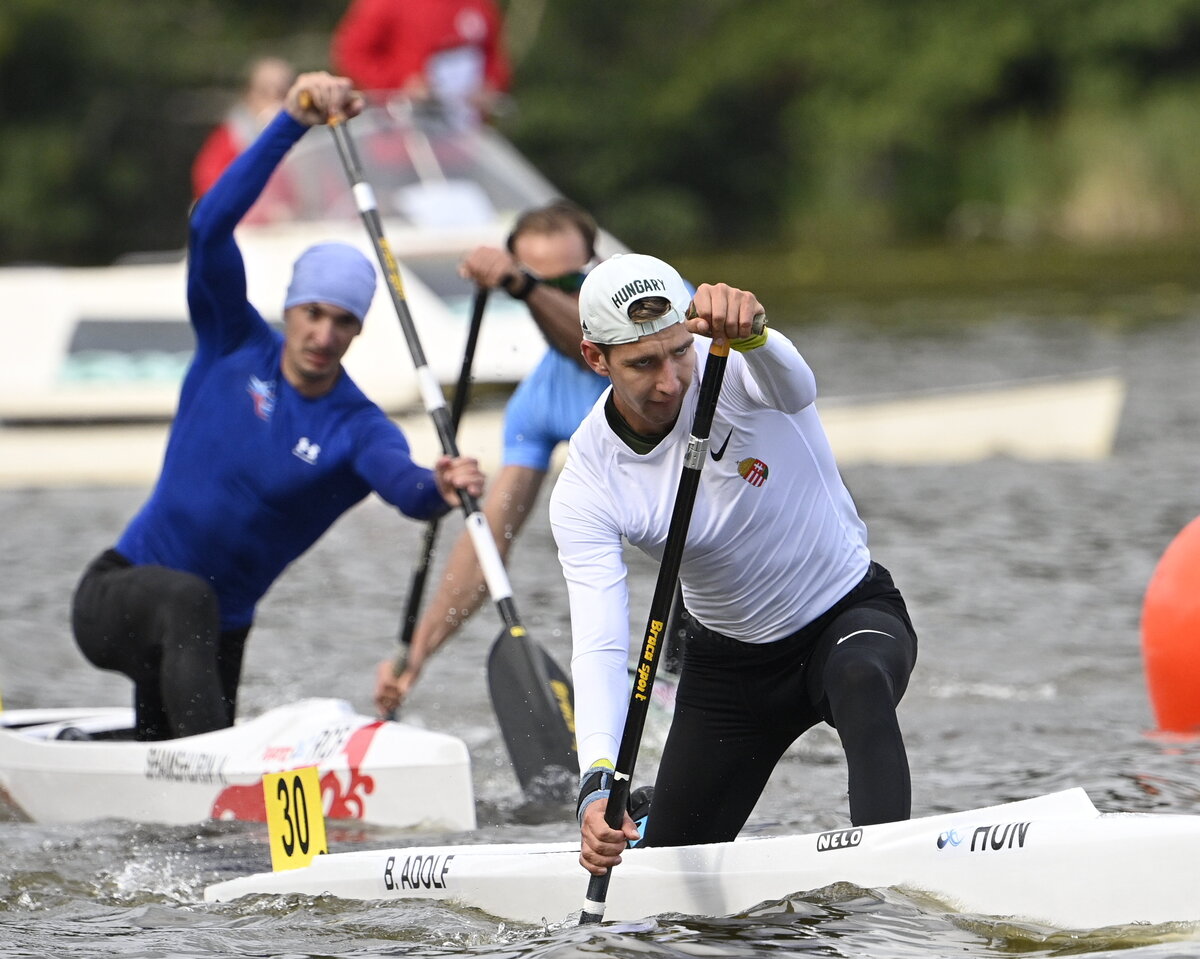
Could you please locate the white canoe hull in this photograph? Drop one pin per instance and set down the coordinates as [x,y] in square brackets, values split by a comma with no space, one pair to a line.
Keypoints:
[1053,859]
[381,773]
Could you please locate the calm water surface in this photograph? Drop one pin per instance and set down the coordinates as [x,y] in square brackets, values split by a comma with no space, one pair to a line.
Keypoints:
[1025,582]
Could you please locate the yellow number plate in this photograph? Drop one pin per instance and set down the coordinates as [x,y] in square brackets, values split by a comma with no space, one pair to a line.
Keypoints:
[295,817]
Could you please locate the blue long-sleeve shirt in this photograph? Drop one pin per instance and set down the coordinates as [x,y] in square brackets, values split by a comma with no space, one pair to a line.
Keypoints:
[254,472]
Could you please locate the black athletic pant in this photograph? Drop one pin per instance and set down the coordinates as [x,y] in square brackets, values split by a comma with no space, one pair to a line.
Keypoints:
[739,706]
[161,628]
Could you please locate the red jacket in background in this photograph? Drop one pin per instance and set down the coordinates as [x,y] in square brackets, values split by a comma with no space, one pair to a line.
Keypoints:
[384,44]
[218,151]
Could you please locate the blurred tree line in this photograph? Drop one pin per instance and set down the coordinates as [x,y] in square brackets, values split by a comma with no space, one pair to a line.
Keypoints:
[683,124]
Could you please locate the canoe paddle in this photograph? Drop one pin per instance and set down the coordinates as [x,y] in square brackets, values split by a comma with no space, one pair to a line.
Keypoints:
[660,610]
[462,389]
[416,585]
[538,724]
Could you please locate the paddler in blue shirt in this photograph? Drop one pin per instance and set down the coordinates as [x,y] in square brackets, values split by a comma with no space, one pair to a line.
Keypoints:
[271,443]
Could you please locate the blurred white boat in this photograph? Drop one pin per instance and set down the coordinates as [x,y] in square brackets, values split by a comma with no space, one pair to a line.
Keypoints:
[111,343]
[1065,419]
[1051,419]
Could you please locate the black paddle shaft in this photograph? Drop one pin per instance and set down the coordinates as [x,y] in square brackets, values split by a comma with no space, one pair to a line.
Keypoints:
[660,610]
[462,389]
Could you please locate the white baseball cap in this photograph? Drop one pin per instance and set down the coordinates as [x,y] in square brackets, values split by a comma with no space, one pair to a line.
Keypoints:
[613,285]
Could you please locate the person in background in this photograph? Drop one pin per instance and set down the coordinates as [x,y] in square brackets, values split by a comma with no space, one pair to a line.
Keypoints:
[449,52]
[791,621]
[271,443]
[545,260]
[267,83]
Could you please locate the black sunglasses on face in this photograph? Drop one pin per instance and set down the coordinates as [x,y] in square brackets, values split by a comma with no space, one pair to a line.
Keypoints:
[568,282]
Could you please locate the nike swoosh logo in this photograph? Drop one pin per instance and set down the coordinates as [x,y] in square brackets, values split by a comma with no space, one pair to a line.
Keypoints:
[859,632]
[717,454]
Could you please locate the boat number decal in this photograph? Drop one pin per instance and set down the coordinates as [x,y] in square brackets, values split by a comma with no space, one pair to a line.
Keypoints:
[294,819]
[1009,835]
[418,872]
[838,839]
[179,765]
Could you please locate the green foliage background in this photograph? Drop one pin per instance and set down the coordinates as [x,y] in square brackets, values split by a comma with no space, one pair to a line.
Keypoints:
[686,125]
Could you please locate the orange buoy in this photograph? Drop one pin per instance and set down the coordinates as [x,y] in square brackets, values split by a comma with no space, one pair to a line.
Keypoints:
[1171,634]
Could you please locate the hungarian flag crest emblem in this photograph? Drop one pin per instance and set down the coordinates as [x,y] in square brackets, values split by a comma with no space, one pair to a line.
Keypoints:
[753,471]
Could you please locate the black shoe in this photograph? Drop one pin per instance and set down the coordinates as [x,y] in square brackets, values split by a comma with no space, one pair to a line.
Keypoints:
[74,734]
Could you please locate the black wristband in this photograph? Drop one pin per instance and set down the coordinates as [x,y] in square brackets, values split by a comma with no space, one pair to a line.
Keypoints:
[527,281]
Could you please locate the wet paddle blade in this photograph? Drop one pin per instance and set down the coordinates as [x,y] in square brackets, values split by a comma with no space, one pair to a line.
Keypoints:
[534,705]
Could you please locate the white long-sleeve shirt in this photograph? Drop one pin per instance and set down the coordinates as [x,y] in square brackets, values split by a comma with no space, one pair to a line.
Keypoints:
[774,538]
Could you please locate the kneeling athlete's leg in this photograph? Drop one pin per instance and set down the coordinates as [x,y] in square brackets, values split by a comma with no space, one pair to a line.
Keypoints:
[159,627]
[868,655]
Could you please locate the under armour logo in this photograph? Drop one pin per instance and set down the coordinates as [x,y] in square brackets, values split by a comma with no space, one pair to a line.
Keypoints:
[306,450]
